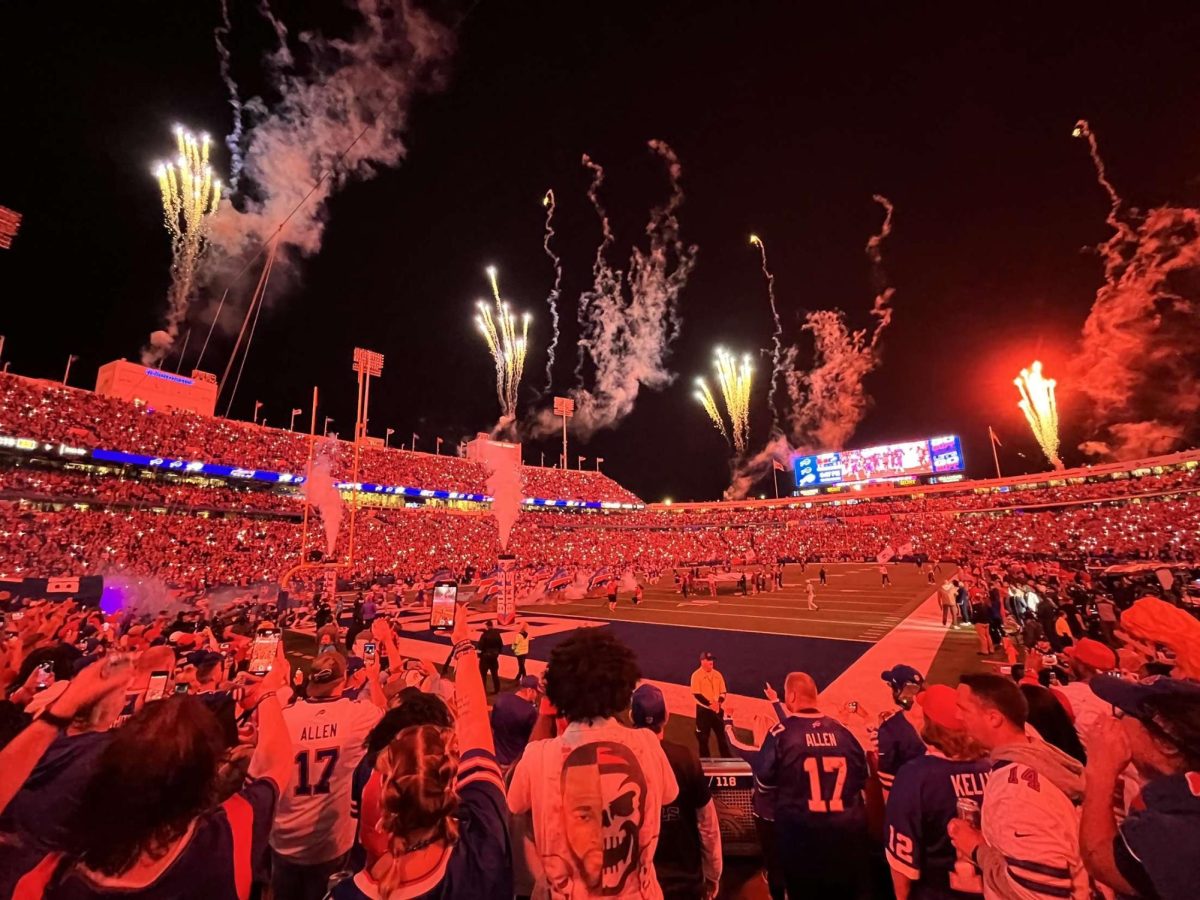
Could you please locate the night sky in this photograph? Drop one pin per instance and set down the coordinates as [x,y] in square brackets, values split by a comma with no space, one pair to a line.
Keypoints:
[786,122]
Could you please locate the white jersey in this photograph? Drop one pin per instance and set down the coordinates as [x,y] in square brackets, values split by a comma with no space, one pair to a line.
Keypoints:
[313,822]
[1034,825]
[1089,709]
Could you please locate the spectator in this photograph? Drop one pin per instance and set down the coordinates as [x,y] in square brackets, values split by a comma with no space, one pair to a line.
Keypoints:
[963,599]
[1052,720]
[708,687]
[441,805]
[595,792]
[980,615]
[762,797]
[314,830]
[1151,854]
[491,645]
[688,858]
[946,601]
[1086,660]
[513,717]
[898,739]
[149,823]
[1029,845]
[819,770]
[924,799]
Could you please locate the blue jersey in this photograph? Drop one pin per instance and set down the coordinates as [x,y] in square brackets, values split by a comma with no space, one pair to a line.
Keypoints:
[818,769]
[923,800]
[898,743]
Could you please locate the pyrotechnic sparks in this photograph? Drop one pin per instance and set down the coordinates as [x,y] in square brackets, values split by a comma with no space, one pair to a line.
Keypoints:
[552,299]
[776,336]
[705,395]
[190,195]
[734,381]
[1041,409]
[499,329]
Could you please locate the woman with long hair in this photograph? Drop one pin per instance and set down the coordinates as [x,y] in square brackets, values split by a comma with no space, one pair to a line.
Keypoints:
[151,822]
[441,806]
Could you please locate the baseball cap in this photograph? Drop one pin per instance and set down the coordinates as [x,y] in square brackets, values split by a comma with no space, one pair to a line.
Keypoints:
[328,668]
[707,655]
[648,708]
[1092,653]
[530,681]
[939,702]
[1130,696]
[899,676]
[205,657]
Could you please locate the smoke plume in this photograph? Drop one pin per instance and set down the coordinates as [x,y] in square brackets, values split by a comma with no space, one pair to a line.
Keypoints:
[343,106]
[319,490]
[556,291]
[1137,365]
[503,464]
[629,321]
[827,402]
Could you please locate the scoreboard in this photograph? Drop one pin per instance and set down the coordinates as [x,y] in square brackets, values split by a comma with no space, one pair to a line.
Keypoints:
[888,462]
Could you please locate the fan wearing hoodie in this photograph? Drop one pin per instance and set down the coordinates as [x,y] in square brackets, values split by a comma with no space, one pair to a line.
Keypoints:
[1028,848]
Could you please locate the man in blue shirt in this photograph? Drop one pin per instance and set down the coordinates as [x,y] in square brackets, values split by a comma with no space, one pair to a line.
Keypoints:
[819,769]
[513,718]
[898,738]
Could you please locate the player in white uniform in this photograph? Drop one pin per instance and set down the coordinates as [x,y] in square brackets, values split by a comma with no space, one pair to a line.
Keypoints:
[313,830]
[1028,848]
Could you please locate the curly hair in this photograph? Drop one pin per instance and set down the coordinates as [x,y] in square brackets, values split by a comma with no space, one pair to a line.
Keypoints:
[954,744]
[418,799]
[591,675]
[158,774]
[1177,718]
[416,708]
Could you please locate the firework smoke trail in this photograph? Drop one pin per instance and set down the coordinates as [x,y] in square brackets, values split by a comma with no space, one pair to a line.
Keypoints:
[606,283]
[552,299]
[340,117]
[233,140]
[1041,409]
[1084,130]
[777,335]
[734,381]
[827,402]
[1136,364]
[628,322]
[507,349]
[705,396]
[190,196]
[282,56]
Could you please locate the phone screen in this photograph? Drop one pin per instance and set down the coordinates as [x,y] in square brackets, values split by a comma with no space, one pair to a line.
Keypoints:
[369,650]
[262,652]
[181,688]
[441,613]
[157,687]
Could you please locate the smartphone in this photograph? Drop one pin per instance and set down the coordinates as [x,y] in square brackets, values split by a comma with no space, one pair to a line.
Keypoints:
[444,607]
[852,706]
[18,615]
[263,651]
[44,672]
[225,647]
[181,688]
[157,686]
[369,650]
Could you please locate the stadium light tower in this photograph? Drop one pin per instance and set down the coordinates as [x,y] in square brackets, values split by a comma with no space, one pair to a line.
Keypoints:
[367,364]
[67,374]
[565,407]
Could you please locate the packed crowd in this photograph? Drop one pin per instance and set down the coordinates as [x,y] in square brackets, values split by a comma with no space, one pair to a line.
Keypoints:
[57,414]
[151,754]
[235,549]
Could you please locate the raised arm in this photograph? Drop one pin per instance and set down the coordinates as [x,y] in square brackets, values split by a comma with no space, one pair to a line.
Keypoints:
[474,730]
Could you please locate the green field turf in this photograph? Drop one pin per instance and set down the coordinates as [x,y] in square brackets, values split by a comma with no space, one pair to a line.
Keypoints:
[853,605]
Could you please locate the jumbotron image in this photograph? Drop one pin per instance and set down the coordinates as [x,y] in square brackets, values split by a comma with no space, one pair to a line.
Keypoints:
[660,453]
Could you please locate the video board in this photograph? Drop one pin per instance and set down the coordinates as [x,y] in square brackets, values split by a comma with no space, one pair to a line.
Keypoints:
[934,456]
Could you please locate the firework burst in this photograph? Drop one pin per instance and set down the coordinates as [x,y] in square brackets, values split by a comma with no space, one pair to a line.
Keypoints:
[190,196]
[499,329]
[1041,409]
[704,394]
[734,381]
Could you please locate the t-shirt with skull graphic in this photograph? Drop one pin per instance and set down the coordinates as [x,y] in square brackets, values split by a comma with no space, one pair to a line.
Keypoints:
[595,795]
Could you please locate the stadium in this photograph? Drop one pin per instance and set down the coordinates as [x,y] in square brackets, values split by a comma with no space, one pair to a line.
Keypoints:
[647,613]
